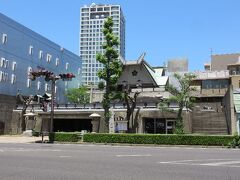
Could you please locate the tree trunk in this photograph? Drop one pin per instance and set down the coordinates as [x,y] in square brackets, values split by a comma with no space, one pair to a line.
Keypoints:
[23,123]
[106,104]
[179,123]
[131,105]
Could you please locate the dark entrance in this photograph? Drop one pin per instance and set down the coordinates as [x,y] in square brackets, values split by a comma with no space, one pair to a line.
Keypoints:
[71,125]
[158,125]
[155,126]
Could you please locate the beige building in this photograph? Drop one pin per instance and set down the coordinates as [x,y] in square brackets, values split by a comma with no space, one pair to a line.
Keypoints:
[217,97]
[138,76]
[216,109]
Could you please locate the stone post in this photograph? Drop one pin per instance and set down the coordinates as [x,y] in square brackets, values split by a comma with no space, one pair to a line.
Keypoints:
[95,122]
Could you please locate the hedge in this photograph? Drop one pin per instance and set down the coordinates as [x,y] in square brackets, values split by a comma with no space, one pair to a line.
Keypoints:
[65,136]
[164,139]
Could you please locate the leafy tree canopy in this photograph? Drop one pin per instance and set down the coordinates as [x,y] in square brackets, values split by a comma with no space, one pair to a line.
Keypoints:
[78,95]
[112,68]
[181,94]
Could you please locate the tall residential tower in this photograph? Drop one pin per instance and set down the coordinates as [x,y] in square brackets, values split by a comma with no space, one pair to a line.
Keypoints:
[92,38]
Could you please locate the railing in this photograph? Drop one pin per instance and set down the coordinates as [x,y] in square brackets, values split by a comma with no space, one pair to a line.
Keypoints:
[90,106]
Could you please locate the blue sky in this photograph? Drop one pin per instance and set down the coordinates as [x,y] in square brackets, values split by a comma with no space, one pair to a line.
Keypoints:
[164,29]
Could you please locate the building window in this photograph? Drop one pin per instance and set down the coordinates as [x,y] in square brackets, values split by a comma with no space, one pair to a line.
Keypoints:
[85,10]
[13,79]
[28,83]
[67,66]
[57,61]
[79,71]
[49,57]
[6,64]
[1,76]
[14,66]
[40,54]
[30,50]
[46,87]
[38,85]
[4,38]
[29,70]
[2,64]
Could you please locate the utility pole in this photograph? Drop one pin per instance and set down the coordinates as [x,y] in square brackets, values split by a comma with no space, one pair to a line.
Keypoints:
[52,101]
[91,93]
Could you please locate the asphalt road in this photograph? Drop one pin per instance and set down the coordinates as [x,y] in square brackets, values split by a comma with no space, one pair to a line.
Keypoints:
[93,162]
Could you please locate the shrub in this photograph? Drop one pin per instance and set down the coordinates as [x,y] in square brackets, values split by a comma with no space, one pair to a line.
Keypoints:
[35,133]
[159,139]
[235,142]
[65,136]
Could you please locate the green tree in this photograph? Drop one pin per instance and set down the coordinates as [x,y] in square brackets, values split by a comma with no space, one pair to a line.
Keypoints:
[181,95]
[112,68]
[78,95]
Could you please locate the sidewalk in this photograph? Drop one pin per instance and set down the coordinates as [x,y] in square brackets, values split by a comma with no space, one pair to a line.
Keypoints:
[19,139]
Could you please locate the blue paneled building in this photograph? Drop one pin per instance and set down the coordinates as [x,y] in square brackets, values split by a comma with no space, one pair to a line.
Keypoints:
[22,51]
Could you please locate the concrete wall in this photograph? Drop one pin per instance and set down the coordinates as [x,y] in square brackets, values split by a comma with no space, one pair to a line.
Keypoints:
[177,65]
[7,104]
[220,62]
[135,126]
[235,81]
[229,110]
[209,118]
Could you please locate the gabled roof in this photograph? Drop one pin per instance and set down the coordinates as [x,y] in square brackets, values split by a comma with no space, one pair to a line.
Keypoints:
[157,77]
[155,74]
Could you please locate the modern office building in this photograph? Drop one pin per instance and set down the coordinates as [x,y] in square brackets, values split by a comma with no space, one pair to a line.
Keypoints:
[23,51]
[91,37]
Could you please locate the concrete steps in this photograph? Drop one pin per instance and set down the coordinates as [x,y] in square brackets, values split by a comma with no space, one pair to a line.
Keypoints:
[209,121]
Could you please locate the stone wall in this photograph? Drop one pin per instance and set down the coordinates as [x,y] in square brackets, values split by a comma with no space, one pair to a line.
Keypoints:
[7,104]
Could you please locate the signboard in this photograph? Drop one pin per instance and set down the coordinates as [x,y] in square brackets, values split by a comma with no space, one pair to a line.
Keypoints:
[121,125]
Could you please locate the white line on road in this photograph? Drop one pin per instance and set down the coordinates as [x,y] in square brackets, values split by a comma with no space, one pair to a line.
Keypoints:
[134,155]
[221,163]
[196,162]
[28,150]
[65,156]
[191,160]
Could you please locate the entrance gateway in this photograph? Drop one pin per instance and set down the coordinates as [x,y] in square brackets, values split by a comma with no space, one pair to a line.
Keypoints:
[71,125]
[158,125]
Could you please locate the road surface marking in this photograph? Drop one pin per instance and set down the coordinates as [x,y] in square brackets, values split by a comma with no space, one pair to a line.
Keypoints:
[134,155]
[65,156]
[191,160]
[221,163]
[198,162]
[28,150]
